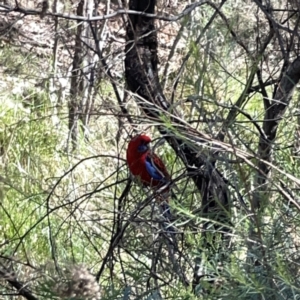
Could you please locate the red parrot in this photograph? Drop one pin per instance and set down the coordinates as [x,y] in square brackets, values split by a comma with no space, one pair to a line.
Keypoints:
[148,167]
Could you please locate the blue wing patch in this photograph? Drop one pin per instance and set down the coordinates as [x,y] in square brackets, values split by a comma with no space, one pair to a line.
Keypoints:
[153,170]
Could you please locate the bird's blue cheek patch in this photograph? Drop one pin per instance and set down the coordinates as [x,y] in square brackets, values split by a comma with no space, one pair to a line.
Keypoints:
[142,148]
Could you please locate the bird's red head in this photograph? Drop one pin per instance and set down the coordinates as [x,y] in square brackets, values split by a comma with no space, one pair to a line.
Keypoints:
[139,144]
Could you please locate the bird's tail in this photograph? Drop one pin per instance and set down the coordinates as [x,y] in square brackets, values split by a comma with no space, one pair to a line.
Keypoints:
[166,212]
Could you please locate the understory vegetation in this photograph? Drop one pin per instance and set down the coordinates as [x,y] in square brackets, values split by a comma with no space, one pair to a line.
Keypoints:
[217,92]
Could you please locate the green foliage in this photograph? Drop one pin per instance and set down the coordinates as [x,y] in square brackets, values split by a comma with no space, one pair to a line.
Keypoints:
[67,217]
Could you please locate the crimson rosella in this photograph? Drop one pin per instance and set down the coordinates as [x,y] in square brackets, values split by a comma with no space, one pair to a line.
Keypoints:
[148,167]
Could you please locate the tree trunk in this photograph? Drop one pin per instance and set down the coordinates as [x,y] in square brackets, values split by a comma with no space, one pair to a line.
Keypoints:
[141,73]
[82,74]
